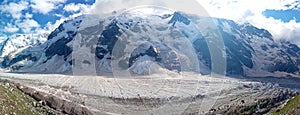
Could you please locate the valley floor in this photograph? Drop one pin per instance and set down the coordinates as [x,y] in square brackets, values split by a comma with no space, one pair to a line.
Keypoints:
[155,94]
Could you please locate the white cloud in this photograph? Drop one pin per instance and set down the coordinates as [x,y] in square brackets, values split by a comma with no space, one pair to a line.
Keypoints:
[108,6]
[251,11]
[76,7]
[59,15]
[28,15]
[15,9]
[52,26]
[45,6]
[11,28]
[240,11]
[81,8]
[27,25]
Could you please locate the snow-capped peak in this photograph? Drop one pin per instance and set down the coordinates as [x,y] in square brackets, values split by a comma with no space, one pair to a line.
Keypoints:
[16,42]
[135,41]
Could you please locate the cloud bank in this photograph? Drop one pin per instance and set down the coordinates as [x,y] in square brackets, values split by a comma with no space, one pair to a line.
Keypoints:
[108,6]
[251,11]
[241,11]
[45,6]
[15,9]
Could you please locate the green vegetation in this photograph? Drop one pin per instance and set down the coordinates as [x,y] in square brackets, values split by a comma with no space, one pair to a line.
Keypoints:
[15,102]
[291,108]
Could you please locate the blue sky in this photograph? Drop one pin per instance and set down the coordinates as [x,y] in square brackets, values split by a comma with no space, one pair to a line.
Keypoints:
[31,16]
[284,15]
[290,12]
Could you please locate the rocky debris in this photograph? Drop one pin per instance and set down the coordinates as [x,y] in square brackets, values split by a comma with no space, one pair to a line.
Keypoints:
[151,103]
[65,106]
[8,86]
[258,101]
[14,102]
[253,98]
[291,107]
[60,106]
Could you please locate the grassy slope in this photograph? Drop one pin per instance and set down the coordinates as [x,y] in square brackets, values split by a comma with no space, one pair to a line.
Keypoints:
[13,101]
[291,108]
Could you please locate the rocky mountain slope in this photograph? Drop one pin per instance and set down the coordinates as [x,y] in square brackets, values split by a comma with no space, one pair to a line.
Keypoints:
[17,42]
[147,43]
[12,45]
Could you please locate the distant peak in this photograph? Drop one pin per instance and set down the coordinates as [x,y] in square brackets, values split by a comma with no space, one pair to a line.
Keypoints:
[179,17]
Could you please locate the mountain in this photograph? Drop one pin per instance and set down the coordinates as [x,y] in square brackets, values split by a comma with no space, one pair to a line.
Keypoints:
[10,46]
[33,59]
[149,43]
[255,52]
[16,42]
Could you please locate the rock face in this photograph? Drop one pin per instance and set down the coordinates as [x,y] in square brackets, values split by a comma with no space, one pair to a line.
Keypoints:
[253,50]
[131,38]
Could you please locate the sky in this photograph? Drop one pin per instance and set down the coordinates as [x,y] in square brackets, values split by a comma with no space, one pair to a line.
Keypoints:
[38,16]
[280,17]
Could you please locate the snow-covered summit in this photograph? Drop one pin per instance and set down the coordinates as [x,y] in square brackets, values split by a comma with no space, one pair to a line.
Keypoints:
[134,41]
[19,41]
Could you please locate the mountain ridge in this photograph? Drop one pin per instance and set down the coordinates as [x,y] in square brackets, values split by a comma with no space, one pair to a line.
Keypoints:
[250,51]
